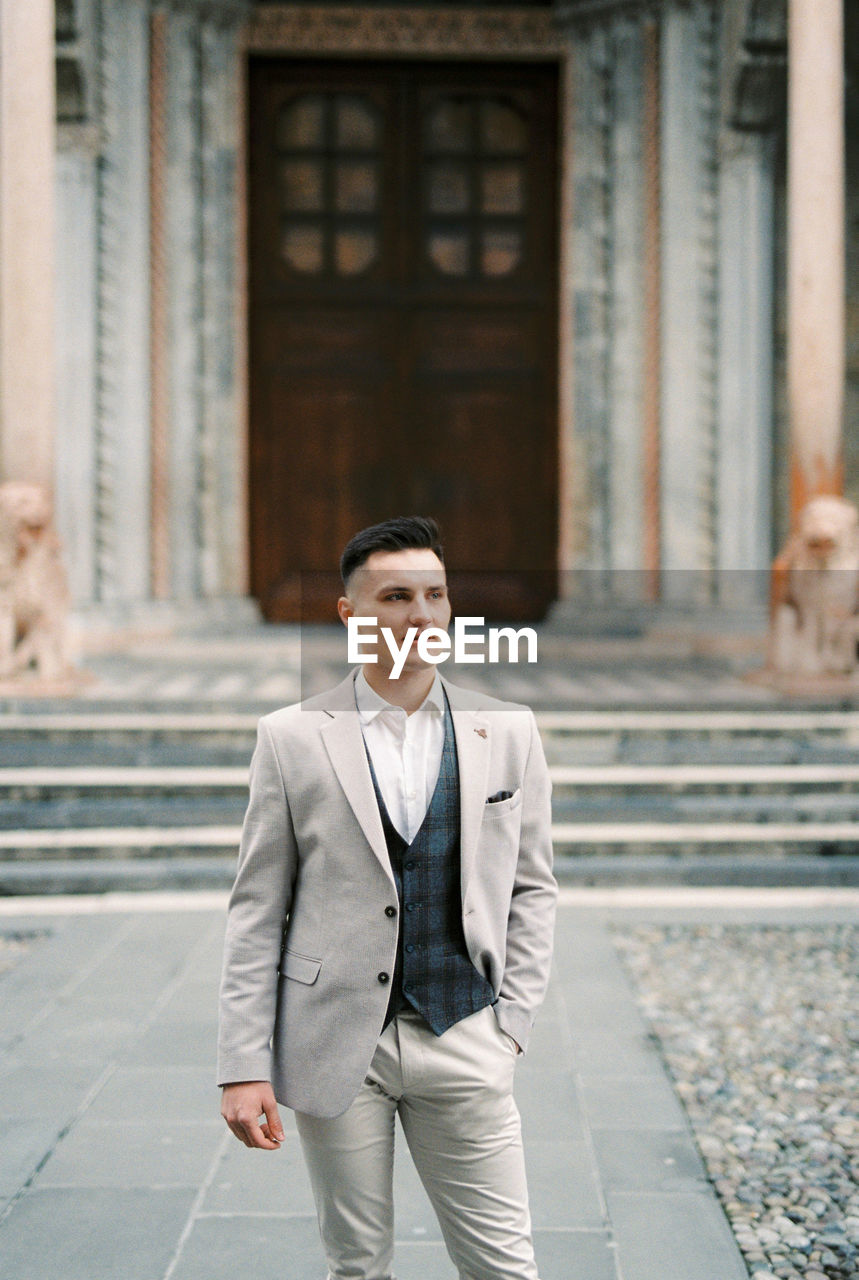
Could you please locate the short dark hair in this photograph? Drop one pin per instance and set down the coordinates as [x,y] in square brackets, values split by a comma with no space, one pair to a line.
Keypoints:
[399,534]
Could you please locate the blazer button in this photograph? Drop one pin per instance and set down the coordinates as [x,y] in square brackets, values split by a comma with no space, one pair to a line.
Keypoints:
[384,977]
[390,911]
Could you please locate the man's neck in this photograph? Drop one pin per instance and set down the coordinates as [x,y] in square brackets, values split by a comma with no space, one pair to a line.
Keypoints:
[408,691]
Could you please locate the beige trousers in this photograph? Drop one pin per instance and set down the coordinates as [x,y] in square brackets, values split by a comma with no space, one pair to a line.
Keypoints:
[453,1094]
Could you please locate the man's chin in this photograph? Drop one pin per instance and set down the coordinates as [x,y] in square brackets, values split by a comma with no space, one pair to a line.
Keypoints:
[412,666]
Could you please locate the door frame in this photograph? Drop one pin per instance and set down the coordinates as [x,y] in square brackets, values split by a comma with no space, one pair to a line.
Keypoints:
[448,34]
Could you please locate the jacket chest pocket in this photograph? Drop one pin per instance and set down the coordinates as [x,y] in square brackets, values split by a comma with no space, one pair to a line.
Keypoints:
[498,808]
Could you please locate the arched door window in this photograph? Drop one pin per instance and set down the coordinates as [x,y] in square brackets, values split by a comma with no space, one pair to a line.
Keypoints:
[329,161]
[475,186]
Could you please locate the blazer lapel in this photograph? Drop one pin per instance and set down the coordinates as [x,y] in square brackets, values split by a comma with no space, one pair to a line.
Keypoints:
[473,738]
[344,743]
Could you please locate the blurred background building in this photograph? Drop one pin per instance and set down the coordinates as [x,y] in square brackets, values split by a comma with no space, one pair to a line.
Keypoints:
[271,272]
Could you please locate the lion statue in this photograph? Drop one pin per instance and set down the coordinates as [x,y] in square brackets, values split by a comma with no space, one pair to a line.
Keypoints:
[814,623]
[34,595]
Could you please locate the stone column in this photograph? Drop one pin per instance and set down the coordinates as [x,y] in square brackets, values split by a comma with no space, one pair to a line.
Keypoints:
[76,258]
[27,130]
[746,368]
[625,417]
[122,439]
[203,512]
[815,213]
[689,287]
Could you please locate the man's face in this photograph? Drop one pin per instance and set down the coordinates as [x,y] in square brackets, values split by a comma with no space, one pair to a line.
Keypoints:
[401,589]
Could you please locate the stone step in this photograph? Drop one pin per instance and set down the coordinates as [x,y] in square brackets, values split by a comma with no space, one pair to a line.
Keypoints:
[684,721]
[698,720]
[95,796]
[59,809]
[723,809]
[94,780]
[123,812]
[211,870]
[137,738]
[95,799]
[185,845]
[168,738]
[734,778]
[43,781]
[569,837]
[685,838]
[208,870]
[199,750]
[738,867]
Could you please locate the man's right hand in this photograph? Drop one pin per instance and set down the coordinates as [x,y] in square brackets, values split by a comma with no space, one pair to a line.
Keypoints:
[243,1103]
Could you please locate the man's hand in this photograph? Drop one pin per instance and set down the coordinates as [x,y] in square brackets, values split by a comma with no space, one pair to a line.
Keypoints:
[242,1104]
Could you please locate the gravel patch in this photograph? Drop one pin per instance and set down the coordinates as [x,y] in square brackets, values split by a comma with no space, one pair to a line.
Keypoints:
[759,1027]
[14,946]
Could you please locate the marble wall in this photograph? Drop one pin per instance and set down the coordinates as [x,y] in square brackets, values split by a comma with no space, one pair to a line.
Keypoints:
[712,492]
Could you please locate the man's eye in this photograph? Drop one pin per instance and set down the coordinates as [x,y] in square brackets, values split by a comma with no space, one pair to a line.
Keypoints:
[395,595]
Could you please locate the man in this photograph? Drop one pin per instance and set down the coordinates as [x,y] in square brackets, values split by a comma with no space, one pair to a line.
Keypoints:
[389,934]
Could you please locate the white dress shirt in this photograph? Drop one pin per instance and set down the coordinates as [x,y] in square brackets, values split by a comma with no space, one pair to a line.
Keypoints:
[405,750]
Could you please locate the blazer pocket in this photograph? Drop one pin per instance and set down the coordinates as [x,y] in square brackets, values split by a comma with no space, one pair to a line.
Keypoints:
[301,968]
[499,807]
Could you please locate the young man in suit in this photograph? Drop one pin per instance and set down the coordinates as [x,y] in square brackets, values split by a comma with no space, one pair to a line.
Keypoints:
[390,931]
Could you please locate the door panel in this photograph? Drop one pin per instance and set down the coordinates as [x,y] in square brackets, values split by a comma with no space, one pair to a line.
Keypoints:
[403,330]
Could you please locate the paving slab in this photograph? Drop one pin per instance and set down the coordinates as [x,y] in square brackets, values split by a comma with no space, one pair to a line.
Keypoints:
[55,1091]
[25,1142]
[563,1185]
[259,1247]
[629,1050]
[563,1119]
[576,1255]
[622,1101]
[79,1233]
[647,1159]
[674,1236]
[133,1154]
[173,1096]
[271,1183]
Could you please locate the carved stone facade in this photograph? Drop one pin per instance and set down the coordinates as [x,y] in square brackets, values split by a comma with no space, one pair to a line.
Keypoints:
[150,446]
[665,289]
[398,31]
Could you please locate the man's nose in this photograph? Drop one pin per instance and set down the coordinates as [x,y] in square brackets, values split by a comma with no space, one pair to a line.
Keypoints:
[420,614]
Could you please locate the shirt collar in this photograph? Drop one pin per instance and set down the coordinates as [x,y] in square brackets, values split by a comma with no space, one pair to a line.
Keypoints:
[371,704]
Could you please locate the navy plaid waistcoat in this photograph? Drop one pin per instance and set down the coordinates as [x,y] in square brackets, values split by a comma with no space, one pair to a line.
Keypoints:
[433,972]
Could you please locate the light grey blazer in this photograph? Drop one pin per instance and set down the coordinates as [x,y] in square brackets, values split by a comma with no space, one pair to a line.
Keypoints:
[308,935]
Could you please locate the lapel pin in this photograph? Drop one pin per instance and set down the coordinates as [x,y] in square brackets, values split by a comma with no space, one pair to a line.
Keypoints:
[481,733]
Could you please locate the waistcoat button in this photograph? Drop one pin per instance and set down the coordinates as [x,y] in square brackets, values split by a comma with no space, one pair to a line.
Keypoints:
[390,911]
[383,978]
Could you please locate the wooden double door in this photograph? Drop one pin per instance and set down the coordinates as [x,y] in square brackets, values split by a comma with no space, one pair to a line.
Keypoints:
[403,323]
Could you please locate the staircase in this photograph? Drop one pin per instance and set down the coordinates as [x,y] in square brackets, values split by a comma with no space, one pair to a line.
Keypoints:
[692,796]
[94,799]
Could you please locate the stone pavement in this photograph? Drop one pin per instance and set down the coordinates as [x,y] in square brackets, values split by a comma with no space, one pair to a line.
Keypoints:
[115,1165]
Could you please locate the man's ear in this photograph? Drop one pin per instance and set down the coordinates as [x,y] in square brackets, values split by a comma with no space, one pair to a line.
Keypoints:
[345,609]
